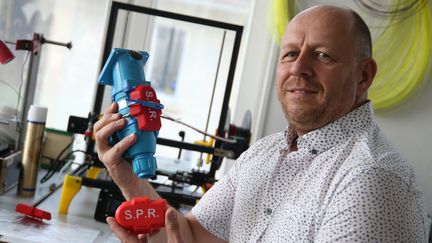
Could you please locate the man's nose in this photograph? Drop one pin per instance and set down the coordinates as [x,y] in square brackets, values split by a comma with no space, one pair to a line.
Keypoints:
[301,66]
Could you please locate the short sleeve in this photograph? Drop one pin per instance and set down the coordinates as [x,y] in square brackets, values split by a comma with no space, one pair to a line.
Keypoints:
[215,208]
[376,205]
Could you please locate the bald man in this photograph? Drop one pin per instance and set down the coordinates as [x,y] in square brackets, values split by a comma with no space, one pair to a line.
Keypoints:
[330,176]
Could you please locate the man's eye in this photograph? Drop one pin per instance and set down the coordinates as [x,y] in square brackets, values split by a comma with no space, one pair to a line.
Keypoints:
[324,57]
[289,56]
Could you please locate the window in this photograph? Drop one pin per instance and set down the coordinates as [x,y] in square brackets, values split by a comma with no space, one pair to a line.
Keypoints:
[66,81]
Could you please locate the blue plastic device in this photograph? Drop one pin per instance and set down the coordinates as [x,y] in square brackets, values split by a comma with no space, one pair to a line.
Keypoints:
[124,71]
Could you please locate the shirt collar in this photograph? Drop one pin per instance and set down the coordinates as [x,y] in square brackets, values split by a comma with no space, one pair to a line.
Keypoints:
[336,132]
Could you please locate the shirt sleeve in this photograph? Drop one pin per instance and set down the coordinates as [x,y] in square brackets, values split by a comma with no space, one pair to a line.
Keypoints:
[214,210]
[375,206]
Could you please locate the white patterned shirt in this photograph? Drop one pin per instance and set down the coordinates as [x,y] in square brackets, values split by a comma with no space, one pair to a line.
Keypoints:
[345,183]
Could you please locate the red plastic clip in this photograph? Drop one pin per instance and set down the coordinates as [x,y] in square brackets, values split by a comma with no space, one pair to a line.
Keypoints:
[32,211]
[142,215]
[148,118]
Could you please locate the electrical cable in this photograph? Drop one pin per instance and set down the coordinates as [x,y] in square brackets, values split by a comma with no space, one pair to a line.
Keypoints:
[7,83]
[18,125]
[165,116]
[10,86]
[54,164]
[78,172]
[62,170]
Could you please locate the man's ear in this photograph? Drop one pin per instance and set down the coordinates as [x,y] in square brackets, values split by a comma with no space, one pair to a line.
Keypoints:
[368,72]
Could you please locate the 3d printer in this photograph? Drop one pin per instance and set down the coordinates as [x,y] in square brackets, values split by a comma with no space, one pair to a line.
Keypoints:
[233,139]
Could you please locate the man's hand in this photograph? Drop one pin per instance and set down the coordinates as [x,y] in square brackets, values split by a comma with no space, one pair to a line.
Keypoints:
[131,186]
[124,235]
[172,228]
[111,121]
[120,170]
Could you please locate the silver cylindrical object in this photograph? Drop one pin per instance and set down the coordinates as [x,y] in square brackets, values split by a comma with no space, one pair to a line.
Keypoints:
[32,152]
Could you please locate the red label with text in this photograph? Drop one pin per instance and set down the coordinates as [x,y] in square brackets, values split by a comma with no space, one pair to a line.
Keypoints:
[147,117]
[141,215]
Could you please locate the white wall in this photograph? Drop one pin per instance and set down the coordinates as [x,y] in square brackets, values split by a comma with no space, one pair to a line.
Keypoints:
[409,127]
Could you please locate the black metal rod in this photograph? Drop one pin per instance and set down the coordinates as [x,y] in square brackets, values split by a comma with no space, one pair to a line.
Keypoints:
[216,163]
[183,145]
[171,15]
[30,86]
[98,183]
[107,50]
[182,135]
[67,45]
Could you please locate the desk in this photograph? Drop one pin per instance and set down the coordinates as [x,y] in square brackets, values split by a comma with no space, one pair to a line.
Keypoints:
[77,226]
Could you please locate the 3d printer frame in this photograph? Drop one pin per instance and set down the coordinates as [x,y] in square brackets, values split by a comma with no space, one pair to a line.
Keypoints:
[217,150]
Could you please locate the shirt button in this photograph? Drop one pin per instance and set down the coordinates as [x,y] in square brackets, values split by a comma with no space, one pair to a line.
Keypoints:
[314,151]
[268,211]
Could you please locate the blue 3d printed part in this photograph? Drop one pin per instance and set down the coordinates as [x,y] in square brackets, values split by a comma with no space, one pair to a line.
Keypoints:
[138,103]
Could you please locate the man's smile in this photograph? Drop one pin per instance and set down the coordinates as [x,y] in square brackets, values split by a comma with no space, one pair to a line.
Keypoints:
[300,93]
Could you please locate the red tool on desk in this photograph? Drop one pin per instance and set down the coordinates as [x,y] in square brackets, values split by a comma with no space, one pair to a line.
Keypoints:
[32,211]
[142,215]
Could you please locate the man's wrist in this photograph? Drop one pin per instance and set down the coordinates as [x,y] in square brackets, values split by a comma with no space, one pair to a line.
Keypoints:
[122,174]
[129,183]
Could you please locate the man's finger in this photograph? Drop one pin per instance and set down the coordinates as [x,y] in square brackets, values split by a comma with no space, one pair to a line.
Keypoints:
[106,119]
[172,227]
[122,233]
[112,108]
[107,130]
[119,148]
[143,237]
[109,115]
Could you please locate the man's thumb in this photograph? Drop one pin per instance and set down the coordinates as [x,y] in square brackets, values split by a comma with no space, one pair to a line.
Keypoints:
[172,227]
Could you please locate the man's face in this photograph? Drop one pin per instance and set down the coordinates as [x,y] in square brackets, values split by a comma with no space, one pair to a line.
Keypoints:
[317,73]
